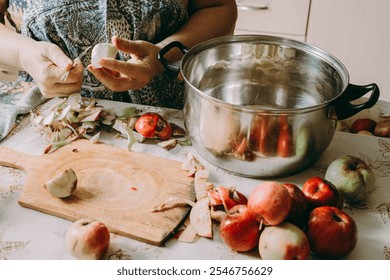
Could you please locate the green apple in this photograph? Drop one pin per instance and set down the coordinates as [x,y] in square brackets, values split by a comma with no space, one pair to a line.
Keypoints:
[352,176]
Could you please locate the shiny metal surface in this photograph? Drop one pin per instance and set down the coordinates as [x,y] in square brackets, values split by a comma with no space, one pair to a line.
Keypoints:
[258,106]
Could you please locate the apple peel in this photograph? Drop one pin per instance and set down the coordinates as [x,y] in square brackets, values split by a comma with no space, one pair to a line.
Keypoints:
[217,215]
[188,235]
[201,185]
[200,218]
[192,165]
[173,202]
[227,197]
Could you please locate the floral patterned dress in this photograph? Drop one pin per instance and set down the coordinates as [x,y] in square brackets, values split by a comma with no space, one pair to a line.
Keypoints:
[75,25]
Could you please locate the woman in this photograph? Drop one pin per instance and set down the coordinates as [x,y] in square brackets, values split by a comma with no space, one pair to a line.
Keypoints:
[54,32]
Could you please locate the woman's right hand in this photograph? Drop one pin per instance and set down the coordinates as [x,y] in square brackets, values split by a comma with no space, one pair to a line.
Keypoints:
[46,63]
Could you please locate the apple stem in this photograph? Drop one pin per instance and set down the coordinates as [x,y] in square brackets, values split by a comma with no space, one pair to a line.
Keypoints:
[337,218]
[261,224]
[353,166]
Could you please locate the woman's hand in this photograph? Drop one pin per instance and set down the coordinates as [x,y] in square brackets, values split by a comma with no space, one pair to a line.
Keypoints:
[132,74]
[46,63]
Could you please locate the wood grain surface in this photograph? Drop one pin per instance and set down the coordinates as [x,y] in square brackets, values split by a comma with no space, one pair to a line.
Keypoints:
[116,186]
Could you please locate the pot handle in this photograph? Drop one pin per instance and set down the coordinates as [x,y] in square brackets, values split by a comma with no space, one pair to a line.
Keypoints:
[172,68]
[342,106]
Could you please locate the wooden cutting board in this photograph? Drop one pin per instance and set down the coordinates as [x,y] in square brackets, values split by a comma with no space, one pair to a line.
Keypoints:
[116,186]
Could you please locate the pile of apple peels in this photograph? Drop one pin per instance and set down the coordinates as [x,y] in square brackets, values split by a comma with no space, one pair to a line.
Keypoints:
[74,117]
[212,203]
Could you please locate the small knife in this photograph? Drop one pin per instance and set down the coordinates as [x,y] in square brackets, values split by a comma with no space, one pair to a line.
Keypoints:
[75,61]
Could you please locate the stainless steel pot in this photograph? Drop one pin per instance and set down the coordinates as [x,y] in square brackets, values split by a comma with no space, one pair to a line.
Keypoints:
[263,106]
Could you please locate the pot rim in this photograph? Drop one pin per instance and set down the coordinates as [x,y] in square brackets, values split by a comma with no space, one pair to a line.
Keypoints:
[327,57]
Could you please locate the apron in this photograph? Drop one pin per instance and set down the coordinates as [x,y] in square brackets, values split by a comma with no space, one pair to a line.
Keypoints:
[75,25]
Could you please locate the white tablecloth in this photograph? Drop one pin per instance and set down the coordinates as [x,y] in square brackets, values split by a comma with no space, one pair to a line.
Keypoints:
[28,234]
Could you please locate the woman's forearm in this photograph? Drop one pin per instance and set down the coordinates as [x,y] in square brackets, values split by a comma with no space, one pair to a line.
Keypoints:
[11,43]
[208,19]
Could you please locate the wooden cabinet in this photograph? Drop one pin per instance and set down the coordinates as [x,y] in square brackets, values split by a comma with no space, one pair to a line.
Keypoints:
[273,17]
[356,32]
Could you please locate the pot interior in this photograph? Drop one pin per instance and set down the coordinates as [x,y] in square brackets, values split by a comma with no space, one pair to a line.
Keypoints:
[264,72]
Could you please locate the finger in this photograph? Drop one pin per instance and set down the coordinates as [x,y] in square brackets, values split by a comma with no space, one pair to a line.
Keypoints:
[60,89]
[139,72]
[110,72]
[119,83]
[132,47]
[119,66]
[58,57]
[75,75]
[107,71]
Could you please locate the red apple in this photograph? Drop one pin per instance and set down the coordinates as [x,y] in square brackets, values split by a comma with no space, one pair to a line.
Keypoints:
[299,211]
[332,233]
[363,124]
[87,239]
[382,129]
[284,242]
[352,176]
[270,203]
[320,192]
[239,230]
[153,125]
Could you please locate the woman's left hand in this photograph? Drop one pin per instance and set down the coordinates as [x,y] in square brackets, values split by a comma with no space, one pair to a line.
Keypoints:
[133,74]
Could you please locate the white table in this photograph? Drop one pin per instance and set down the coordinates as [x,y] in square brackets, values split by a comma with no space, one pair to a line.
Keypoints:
[27,234]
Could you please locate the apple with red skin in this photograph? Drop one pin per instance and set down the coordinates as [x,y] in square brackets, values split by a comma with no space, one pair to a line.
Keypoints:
[366,124]
[321,192]
[382,128]
[332,233]
[299,211]
[153,125]
[352,176]
[269,203]
[239,230]
[284,242]
[87,239]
